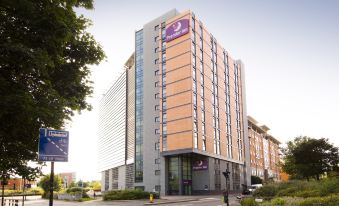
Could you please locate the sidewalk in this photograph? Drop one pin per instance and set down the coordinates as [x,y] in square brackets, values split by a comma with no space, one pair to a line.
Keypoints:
[178,199]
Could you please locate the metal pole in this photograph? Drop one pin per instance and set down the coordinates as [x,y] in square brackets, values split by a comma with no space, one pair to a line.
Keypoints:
[3,192]
[51,185]
[23,190]
[227,192]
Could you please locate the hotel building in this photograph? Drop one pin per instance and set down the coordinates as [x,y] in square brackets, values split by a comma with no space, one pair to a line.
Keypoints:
[176,119]
[264,151]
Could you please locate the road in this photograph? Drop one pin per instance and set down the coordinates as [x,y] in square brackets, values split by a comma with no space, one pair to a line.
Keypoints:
[203,201]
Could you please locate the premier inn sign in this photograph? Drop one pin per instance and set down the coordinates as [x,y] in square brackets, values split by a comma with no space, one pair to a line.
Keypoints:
[177,29]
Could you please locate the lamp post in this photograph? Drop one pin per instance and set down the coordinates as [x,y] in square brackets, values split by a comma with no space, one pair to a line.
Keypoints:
[226,174]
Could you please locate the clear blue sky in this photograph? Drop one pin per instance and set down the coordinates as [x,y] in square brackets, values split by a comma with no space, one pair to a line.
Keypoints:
[290,50]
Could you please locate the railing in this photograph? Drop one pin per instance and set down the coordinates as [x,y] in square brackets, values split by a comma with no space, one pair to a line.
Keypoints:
[11,202]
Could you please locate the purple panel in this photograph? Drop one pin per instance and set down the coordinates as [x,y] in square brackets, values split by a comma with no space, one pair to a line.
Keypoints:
[187,182]
[177,29]
[200,165]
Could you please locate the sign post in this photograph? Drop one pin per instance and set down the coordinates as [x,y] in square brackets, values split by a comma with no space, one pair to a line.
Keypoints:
[53,147]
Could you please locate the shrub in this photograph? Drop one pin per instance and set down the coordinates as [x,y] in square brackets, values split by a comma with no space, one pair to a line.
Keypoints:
[329,186]
[267,191]
[126,195]
[307,193]
[278,202]
[248,202]
[36,191]
[328,201]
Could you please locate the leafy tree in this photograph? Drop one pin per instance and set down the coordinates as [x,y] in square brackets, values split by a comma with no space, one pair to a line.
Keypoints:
[44,183]
[45,52]
[95,185]
[256,180]
[307,157]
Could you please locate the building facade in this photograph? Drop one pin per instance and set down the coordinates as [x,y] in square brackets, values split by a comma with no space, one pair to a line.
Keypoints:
[116,132]
[264,151]
[67,178]
[189,118]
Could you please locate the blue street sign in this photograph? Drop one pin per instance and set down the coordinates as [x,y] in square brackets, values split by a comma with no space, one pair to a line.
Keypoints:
[53,145]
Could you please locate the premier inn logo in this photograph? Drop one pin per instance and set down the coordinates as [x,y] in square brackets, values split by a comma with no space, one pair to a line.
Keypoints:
[177,29]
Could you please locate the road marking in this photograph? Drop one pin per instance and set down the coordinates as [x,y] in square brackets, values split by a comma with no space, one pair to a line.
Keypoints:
[57,146]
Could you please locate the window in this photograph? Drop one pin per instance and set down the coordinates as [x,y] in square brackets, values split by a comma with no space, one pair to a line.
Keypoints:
[156,73]
[157,188]
[157,172]
[156,38]
[164,117]
[164,104]
[164,129]
[156,61]
[157,108]
[157,161]
[156,50]
[163,46]
[157,119]
[156,84]
[157,131]
[163,33]
[156,28]
[157,146]
[164,57]
[156,95]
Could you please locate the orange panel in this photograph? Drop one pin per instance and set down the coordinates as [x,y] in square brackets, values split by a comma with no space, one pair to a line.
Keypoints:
[179,125]
[180,141]
[177,49]
[179,99]
[179,86]
[178,61]
[179,112]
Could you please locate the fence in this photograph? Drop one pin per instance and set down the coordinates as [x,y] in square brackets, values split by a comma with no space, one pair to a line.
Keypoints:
[11,202]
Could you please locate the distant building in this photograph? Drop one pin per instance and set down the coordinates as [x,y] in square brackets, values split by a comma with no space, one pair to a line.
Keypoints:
[18,184]
[264,151]
[67,178]
[176,118]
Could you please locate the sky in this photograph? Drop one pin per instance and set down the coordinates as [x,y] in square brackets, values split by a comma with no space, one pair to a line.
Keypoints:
[290,50]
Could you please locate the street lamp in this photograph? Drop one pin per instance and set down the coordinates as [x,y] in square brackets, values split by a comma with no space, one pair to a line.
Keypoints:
[226,174]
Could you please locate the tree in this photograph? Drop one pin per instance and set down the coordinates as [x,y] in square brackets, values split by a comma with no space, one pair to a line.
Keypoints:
[45,51]
[307,157]
[44,183]
[95,185]
[256,180]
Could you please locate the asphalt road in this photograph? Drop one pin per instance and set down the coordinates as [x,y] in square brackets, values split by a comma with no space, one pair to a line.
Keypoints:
[204,201]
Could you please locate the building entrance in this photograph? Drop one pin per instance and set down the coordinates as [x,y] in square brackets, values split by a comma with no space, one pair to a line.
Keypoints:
[179,175]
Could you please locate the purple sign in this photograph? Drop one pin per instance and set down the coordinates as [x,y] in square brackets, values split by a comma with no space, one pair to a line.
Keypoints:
[200,165]
[177,29]
[187,182]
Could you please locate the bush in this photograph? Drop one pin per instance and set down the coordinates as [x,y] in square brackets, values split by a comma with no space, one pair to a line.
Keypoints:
[248,202]
[36,191]
[298,188]
[278,202]
[266,192]
[126,195]
[328,201]
[74,190]
[329,186]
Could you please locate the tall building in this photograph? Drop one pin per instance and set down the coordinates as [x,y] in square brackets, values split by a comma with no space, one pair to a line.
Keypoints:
[116,132]
[189,122]
[264,151]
